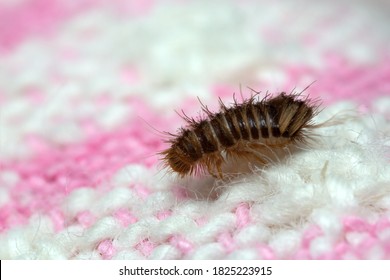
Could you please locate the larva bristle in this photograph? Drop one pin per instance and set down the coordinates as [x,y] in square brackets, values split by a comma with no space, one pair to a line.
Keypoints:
[241,131]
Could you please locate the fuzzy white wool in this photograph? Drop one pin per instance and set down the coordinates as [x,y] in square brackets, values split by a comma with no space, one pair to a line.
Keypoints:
[316,185]
[252,234]
[327,218]
[343,174]
[165,252]
[320,246]
[244,254]
[208,251]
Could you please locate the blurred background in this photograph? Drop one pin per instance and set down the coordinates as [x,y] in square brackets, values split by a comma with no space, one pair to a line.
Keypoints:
[71,69]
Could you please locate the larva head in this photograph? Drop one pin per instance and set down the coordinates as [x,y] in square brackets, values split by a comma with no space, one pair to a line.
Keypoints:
[177,160]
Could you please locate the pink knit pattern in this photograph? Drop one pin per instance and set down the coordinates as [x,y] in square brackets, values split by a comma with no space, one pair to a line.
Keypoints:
[90,165]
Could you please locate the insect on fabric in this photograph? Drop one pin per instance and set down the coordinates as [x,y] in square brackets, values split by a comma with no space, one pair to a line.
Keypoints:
[243,130]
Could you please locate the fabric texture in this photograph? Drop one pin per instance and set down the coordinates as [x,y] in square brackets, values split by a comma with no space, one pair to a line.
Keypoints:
[87,89]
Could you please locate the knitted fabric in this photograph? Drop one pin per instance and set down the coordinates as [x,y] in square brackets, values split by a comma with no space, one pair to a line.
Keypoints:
[87,87]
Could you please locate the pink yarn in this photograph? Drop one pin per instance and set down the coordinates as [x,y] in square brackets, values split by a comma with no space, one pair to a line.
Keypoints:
[48,177]
[31,18]
[225,238]
[162,215]
[242,215]
[125,217]
[309,235]
[181,243]
[266,253]
[85,218]
[106,249]
[145,247]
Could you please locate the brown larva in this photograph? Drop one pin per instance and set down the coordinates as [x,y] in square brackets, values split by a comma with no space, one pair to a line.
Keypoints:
[242,131]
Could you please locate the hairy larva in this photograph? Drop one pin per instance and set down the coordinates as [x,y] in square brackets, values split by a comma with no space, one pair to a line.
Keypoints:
[244,130]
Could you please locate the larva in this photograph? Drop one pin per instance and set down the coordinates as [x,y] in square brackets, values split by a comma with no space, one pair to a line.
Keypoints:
[243,131]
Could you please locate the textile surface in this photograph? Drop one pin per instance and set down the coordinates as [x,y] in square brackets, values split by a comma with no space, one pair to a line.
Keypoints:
[87,89]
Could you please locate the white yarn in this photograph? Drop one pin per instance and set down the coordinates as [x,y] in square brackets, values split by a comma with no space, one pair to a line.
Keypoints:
[165,252]
[208,251]
[319,246]
[243,254]
[252,234]
[316,185]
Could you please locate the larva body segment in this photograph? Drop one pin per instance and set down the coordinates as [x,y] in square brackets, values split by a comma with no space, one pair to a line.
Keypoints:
[243,130]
